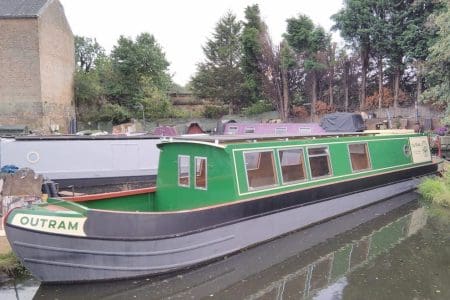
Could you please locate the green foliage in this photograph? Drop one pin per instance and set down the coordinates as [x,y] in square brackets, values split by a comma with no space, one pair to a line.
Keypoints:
[309,43]
[214,111]
[438,63]
[436,190]
[87,50]
[251,52]
[10,265]
[258,108]
[111,113]
[88,87]
[418,35]
[135,74]
[138,62]
[354,22]
[220,77]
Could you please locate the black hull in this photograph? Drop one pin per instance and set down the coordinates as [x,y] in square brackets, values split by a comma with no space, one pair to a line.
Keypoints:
[163,225]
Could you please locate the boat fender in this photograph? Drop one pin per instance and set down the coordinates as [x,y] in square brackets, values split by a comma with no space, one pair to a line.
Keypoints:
[49,188]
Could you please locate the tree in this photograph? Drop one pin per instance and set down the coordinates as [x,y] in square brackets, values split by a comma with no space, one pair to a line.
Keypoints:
[379,33]
[438,62]
[87,50]
[354,23]
[252,32]
[418,36]
[220,77]
[309,43]
[135,62]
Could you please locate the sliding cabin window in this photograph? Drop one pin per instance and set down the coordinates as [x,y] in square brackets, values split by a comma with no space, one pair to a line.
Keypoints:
[249,130]
[304,130]
[260,169]
[319,161]
[232,130]
[183,170]
[200,173]
[292,165]
[359,157]
[280,130]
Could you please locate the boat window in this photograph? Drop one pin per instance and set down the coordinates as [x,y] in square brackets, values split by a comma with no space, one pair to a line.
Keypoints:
[249,130]
[260,169]
[359,156]
[232,129]
[319,161]
[280,130]
[305,130]
[183,170]
[200,172]
[292,165]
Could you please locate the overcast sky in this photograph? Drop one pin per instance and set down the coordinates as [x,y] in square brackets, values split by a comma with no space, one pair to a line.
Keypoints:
[181,27]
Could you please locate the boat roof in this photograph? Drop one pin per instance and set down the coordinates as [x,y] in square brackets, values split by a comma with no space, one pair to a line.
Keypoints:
[234,138]
[84,137]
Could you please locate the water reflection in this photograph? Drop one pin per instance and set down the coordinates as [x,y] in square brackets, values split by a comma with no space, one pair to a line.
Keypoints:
[356,256]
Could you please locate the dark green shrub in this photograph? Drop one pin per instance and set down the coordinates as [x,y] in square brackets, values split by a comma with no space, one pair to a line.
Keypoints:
[214,111]
[257,108]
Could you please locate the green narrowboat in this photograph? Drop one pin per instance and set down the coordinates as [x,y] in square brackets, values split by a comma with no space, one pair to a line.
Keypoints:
[215,195]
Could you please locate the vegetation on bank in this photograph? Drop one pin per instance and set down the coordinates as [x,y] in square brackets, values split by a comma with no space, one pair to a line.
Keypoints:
[396,53]
[11,266]
[437,190]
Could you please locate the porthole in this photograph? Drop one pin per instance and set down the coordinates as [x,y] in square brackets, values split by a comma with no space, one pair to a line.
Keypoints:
[33,157]
[407,150]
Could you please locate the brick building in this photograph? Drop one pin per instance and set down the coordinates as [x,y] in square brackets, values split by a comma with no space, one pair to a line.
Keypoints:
[37,64]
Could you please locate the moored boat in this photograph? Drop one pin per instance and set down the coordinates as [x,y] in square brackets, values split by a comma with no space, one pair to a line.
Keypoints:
[215,195]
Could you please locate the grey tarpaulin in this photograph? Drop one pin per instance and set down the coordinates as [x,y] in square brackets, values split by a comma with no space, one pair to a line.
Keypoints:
[342,122]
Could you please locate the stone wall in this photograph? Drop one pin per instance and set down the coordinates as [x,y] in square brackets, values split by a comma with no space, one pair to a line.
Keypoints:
[20,87]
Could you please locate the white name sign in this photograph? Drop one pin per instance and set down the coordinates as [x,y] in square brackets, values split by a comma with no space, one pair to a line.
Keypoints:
[420,149]
[53,224]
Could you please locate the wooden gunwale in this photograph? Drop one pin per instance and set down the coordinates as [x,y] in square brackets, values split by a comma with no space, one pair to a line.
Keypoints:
[108,195]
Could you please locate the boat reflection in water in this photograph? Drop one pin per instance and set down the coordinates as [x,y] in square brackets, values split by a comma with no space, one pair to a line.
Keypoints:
[298,265]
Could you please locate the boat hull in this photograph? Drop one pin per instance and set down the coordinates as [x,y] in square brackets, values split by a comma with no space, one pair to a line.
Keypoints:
[63,258]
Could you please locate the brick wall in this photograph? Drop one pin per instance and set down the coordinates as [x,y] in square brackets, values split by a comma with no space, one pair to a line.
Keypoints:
[20,88]
[37,64]
[57,67]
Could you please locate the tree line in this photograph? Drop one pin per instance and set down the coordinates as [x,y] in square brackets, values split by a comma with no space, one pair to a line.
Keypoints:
[395,53]
[131,81]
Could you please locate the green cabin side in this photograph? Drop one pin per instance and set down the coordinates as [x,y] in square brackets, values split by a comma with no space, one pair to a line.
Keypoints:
[238,170]
[207,176]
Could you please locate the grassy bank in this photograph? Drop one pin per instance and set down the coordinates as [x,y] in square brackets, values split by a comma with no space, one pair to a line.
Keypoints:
[11,266]
[437,190]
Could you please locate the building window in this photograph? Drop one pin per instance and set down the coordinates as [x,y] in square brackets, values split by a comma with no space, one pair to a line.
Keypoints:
[200,173]
[183,170]
[249,130]
[280,130]
[359,156]
[260,169]
[319,161]
[292,165]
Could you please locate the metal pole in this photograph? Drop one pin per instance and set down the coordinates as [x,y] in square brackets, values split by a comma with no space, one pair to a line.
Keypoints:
[143,117]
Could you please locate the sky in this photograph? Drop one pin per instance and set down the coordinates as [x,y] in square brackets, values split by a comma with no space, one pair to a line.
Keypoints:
[181,27]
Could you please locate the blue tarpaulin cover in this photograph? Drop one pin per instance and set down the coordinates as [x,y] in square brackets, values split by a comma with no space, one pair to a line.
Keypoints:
[9,169]
[343,122]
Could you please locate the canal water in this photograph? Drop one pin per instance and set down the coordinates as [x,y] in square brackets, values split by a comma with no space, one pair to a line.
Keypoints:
[393,250]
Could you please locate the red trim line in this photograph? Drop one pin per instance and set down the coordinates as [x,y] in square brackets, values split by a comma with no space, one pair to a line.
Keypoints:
[110,195]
